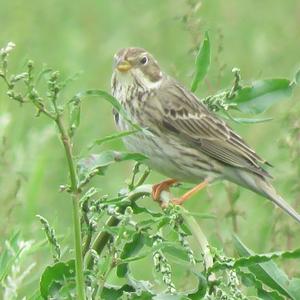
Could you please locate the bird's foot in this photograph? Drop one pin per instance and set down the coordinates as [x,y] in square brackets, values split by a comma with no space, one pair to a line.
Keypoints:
[158,188]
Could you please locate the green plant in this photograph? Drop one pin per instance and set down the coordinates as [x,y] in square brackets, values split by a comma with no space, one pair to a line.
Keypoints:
[113,232]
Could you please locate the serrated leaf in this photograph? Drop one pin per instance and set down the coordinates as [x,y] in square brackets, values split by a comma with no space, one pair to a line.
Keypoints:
[267,272]
[130,249]
[112,137]
[202,63]
[261,95]
[256,259]
[54,276]
[249,279]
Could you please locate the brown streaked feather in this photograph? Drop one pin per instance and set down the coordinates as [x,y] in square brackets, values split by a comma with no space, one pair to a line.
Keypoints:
[186,116]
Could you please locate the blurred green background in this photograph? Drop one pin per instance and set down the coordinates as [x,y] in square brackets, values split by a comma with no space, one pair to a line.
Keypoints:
[260,37]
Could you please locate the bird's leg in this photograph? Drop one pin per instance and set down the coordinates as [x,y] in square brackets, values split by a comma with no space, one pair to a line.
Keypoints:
[190,193]
[162,186]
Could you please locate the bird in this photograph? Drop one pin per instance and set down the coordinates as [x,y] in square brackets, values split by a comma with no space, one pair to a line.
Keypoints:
[183,140]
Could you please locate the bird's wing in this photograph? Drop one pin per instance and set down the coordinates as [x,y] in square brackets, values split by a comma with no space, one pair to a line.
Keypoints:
[185,116]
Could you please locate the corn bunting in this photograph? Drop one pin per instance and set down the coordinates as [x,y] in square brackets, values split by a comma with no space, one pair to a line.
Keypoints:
[184,140]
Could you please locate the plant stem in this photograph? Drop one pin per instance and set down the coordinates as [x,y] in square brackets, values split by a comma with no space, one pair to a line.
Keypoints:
[87,243]
[75,201]
[143,178]
[75,191]
[78,250]
[200,238]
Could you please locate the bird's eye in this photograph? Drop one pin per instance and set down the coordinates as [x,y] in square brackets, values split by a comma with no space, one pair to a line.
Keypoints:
[144,60]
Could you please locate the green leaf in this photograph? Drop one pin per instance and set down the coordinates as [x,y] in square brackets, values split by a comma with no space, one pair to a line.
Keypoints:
[262,94]
[176,251]
[135,258]
[249,120]
[267,272]
[144,295]
[201,289]
[97,163]
[114,292]
[202,63]
[113,137]
[252,120]
[113,101]
[140,209]
[130,249]
[294,287]
[201,215]
[173,249]
[35,296]
[139,285]
[249,279]
[118,230]
[256,259]
[55,277]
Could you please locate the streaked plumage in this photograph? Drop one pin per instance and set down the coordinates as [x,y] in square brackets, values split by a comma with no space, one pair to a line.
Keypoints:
[187,141]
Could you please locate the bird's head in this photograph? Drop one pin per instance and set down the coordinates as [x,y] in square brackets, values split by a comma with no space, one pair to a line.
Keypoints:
[137,65]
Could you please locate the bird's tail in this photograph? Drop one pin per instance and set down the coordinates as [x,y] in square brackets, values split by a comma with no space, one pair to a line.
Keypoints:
[263,187]
[267,190]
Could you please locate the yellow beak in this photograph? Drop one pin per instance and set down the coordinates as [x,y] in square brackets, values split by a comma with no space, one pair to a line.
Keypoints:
[124,66]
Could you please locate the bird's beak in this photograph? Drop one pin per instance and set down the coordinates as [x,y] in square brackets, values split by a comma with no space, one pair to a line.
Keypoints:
[124,66]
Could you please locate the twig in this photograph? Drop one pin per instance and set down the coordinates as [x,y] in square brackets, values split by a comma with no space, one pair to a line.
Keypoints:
[75,200]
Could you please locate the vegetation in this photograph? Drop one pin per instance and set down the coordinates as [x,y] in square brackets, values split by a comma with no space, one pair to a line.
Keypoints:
[104,237]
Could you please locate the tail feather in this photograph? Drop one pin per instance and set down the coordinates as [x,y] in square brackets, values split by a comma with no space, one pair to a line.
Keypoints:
[271,194]
[261,186]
